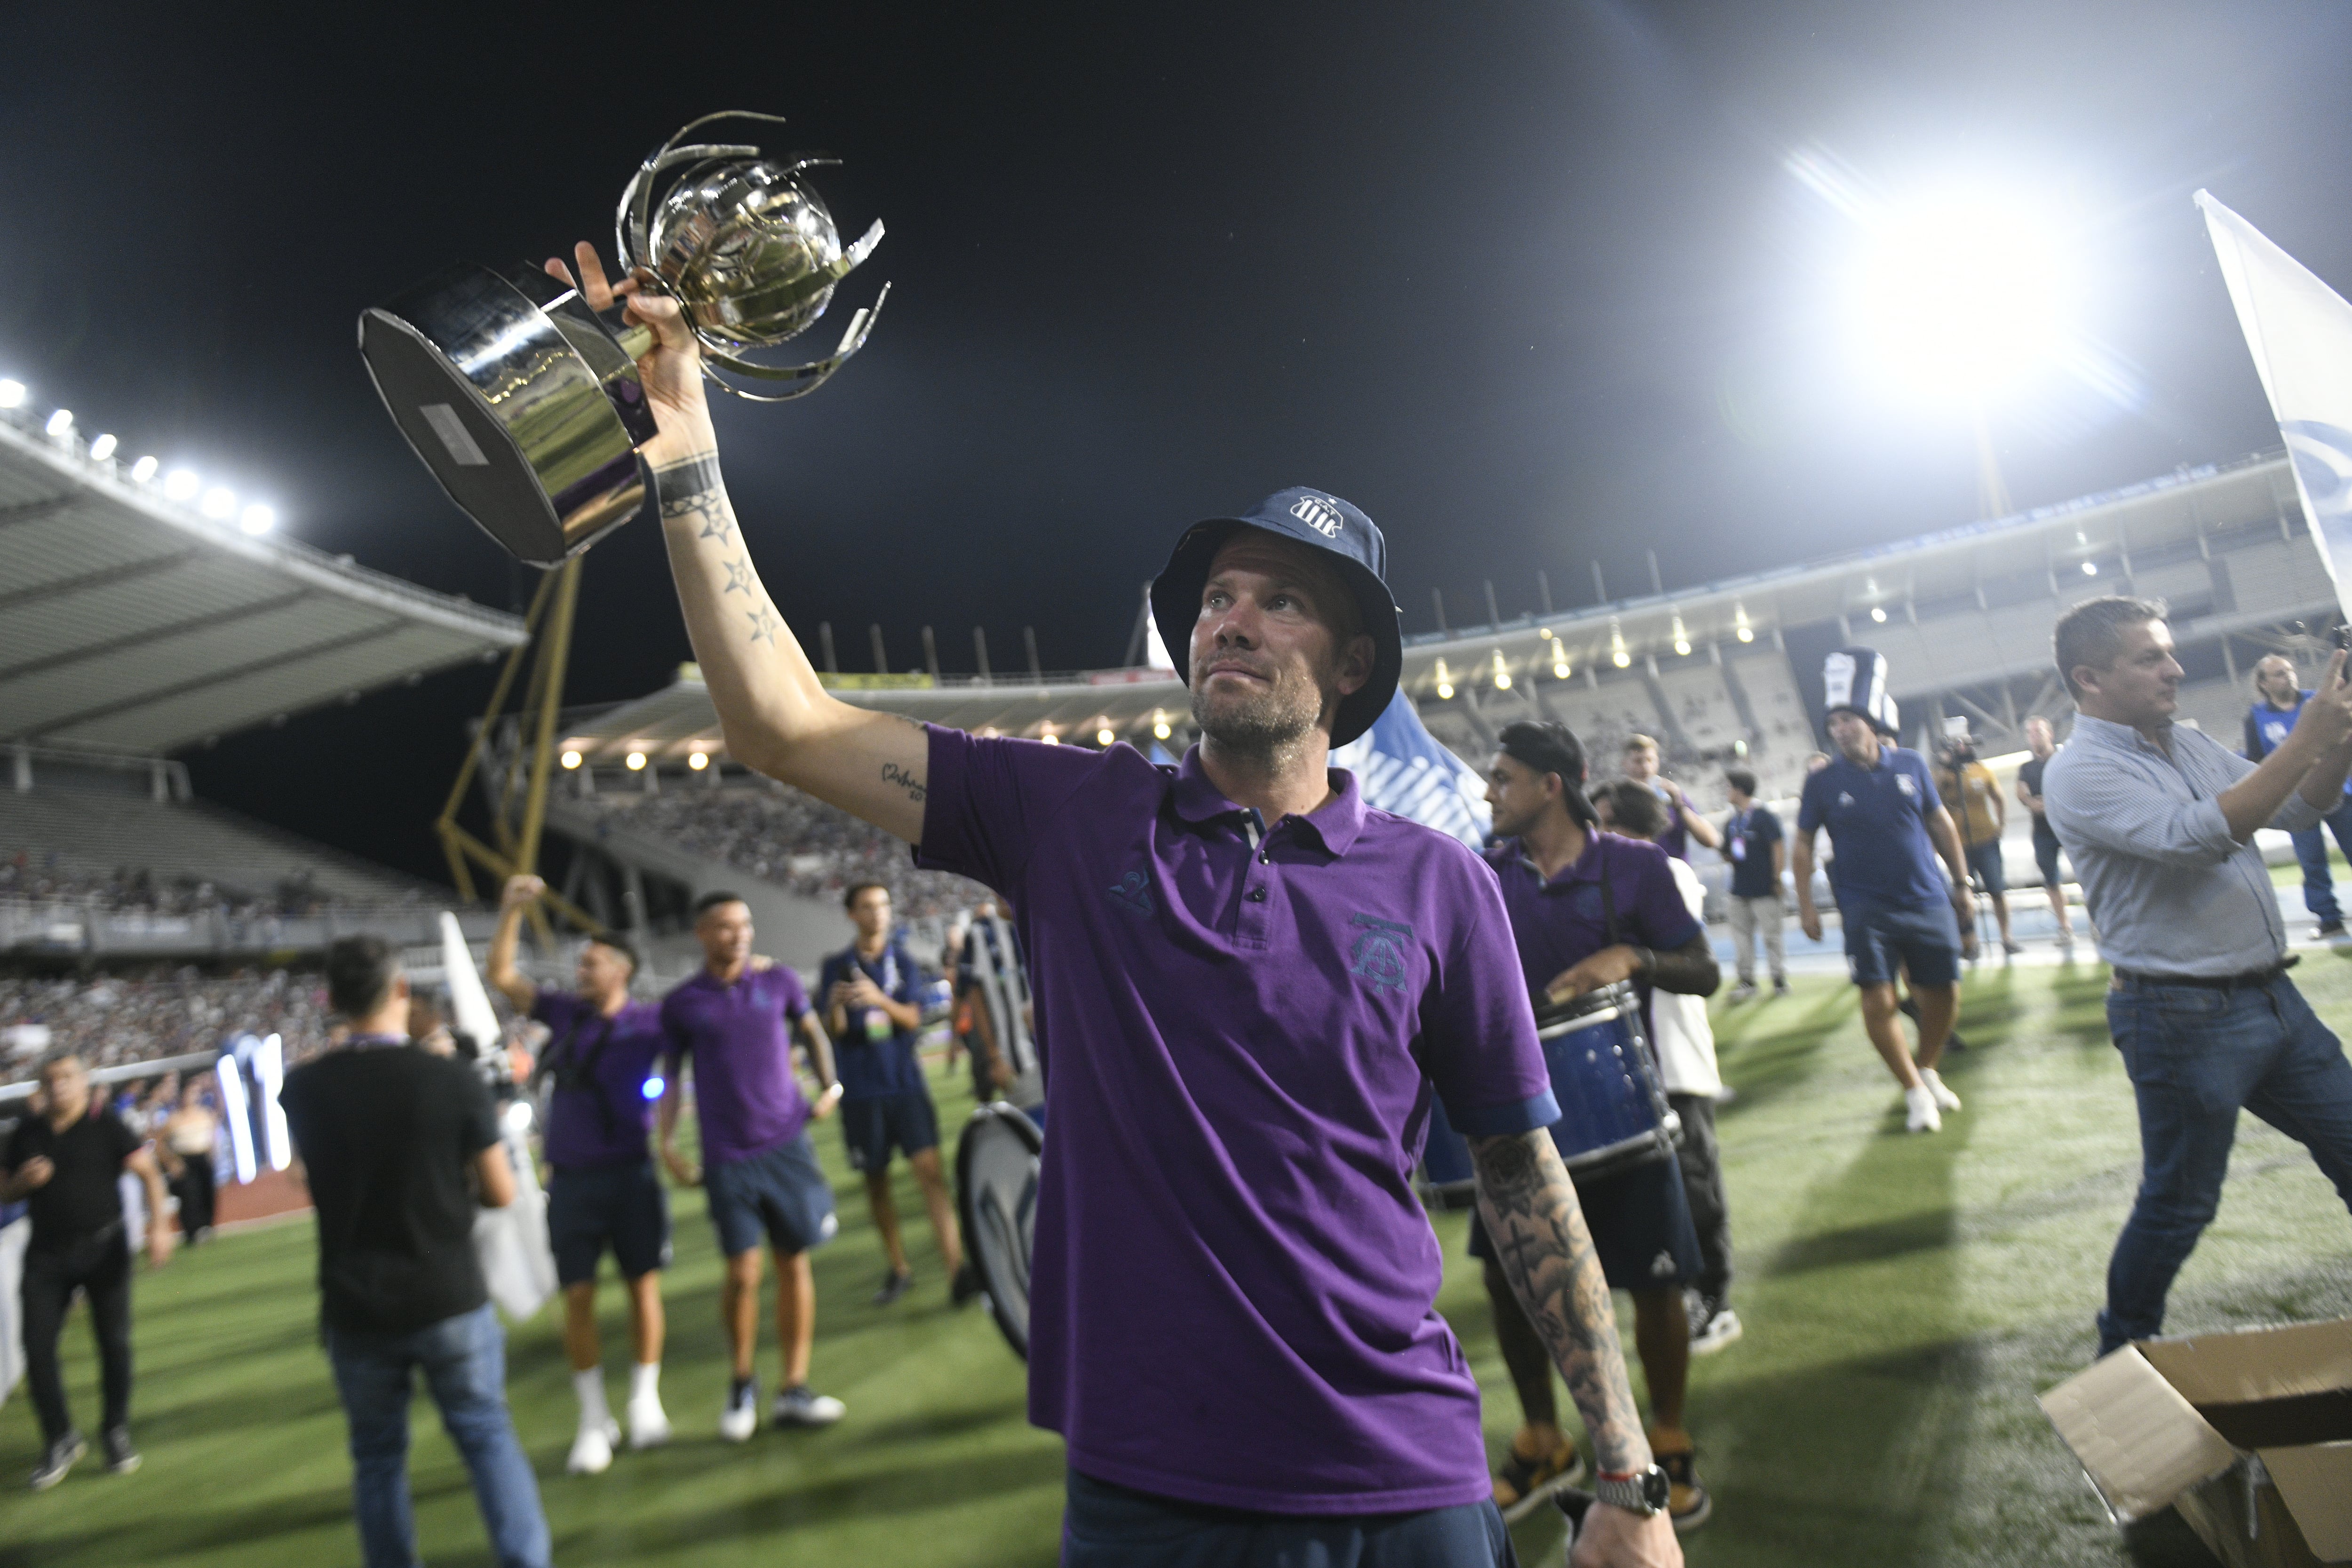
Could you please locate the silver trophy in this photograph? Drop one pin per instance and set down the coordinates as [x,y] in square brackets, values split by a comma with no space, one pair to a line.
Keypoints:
[526,404]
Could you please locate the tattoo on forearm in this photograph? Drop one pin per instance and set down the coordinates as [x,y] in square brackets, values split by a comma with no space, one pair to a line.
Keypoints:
[739,576]
[763,625]
[690,492]
[1688,971]
[1540,1237]
[892,774]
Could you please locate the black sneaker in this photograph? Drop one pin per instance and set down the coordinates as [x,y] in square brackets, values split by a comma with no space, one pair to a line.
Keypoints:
[1781,986]
[967,1286]
[58,1458]
[122,1458]
[894,1285]
[2331,928]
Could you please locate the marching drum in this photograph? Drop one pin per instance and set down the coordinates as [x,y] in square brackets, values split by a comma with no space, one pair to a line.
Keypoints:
[1614,1113]
[996,1188]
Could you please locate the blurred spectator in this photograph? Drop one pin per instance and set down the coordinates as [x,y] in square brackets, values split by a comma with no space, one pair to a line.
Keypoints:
[184,1142]
[113,1019]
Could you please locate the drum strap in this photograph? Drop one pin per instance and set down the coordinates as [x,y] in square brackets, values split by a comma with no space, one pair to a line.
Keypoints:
[1609,905]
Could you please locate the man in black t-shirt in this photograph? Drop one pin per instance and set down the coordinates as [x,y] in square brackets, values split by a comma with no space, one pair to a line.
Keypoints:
[65,1159]
[2046,837]
[395,1142]
[1758,853]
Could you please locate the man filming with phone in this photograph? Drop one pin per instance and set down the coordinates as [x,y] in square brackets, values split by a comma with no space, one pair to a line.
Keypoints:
[2159,820]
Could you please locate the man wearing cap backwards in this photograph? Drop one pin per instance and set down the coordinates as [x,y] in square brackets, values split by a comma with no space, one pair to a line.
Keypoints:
[1888,828]
[1247,983]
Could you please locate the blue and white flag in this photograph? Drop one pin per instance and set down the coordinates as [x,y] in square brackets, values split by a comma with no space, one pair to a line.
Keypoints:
[2300,331]
[1402,769]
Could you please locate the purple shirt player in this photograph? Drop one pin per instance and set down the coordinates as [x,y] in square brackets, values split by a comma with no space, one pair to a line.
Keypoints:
[740,1034]
[1249,990]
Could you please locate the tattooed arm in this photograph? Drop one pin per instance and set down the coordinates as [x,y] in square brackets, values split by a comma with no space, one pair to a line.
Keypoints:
[776,716]
[1537,1229]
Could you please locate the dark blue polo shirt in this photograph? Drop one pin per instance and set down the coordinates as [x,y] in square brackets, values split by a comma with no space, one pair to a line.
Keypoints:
[1877,819]
[875,1058]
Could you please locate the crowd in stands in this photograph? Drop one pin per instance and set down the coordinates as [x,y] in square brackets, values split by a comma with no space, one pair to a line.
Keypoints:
[113,1019]
[40,876]
[781,835]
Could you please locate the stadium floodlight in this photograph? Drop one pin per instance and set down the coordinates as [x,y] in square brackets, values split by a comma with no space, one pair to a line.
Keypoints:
[637,761]
[1740,629]
[219,503]
[102,449]
[60,424]
[698,760]
[181,485]
[1681,639]
[2090,568]
[1160,728]
[1878,614]
[1050,738]
[1559,663]
[571,759]
[143,470]
[256,519]
[1502,672]
[1445,683]
[11,394]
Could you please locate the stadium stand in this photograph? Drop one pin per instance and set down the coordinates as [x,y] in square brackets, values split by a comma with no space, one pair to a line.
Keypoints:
[118,1020]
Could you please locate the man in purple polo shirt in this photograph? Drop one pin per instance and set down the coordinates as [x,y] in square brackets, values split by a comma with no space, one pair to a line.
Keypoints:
[1249,985]
[600,1056]
[1590,908]
[734,1016]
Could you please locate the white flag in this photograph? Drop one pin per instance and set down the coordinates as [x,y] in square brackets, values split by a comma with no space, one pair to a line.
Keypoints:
[517,1261]
[1403,768]
[2300,331]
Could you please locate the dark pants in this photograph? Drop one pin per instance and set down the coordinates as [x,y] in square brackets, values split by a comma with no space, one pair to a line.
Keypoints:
[2195,1057]
[1701,1163]
[2311,851]
[1109,1526]
[99,1266]
[194,1191]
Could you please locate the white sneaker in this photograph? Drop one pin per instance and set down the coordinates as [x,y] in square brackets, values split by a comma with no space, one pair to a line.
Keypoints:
[741,1416]
[1920,1110]
[591,1451]
[648,1424]
[802,1406]
[1945,1098]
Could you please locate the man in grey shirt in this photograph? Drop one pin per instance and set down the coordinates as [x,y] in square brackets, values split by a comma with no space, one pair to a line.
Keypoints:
[2159,822]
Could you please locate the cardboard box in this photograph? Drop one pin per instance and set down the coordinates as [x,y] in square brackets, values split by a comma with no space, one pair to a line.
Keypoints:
[2248,1433]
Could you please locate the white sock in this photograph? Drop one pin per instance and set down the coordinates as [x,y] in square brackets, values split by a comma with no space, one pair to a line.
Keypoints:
[590,1386]
[645,1382]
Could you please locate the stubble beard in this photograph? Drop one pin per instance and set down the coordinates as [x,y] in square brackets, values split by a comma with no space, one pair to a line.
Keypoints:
[1270,727]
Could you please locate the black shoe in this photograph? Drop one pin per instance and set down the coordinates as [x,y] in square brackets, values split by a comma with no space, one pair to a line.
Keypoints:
[56,1460]
[1780,986]
[122,1458]
[967,1286]
[2331,928]
[894,1285]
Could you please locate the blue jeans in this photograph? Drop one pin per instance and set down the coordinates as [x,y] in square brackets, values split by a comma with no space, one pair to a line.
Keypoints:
[464,1360]
[2311,850]
[2195,1057]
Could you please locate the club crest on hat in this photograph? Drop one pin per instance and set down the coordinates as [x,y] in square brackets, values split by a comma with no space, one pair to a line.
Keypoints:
[1319,513]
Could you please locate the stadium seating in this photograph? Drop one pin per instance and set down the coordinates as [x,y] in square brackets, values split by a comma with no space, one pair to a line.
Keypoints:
[782,837]
[115,1019]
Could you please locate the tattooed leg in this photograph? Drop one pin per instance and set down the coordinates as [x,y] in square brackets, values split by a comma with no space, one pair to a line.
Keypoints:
[1537,1229]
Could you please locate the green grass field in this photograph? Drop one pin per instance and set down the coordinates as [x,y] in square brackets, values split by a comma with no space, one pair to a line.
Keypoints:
[1905,1298]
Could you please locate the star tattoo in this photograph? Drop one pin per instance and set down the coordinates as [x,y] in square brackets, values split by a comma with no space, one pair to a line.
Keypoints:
[714,525]
[763,625]
[739,576]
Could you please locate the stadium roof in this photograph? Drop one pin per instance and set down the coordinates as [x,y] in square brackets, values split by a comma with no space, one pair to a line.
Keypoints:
[132,624]
[2037,555]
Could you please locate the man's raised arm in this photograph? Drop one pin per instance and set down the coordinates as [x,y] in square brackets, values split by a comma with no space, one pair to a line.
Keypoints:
[775,715]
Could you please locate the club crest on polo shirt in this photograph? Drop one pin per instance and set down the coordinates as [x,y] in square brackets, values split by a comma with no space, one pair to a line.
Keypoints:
[1844,799]
[1378,956]
[1319,513]
[1132,892]
[1902,782]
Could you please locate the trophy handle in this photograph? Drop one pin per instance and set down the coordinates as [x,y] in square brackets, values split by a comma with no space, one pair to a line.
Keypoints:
[810,376]
[629,225]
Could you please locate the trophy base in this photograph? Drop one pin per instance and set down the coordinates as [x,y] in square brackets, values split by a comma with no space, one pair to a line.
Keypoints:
[518,401]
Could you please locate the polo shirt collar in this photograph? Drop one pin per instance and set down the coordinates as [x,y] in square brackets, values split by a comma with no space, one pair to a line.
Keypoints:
[1585,867]
[1335,823]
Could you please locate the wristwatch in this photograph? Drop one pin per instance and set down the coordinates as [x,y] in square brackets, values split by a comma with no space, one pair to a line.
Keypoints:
[1643,1492]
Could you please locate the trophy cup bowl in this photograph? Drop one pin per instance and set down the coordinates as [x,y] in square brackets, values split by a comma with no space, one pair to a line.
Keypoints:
[525,404]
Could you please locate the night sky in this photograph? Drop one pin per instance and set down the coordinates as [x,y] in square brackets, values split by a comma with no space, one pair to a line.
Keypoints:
[1533,284]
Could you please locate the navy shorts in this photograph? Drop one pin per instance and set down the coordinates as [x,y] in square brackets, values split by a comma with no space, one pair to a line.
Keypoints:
[1107,1526]
[1925,939]
[2045,852]
[1640,1225]
[590,1207]
[782,1194]
[1984,859]
[877,1124]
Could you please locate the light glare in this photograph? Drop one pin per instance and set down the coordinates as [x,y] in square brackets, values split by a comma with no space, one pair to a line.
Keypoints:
[1964,294]
[220,502]
[11,394]
[143,470]
[181,485]
[571,759]
[637,761]
[698,760]
[256,519]
[1878,615]
[102,449]
[59,423]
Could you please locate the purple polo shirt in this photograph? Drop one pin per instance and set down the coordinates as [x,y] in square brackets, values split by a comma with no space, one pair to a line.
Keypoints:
[1561,923]
[1231,1297]
[604,1124]
[741,1037]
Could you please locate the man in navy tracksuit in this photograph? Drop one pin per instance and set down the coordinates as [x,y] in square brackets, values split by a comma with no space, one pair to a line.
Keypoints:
[2269,721]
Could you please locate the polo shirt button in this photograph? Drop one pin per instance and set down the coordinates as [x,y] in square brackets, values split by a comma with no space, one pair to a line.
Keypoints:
[1257,895]
[1264,858]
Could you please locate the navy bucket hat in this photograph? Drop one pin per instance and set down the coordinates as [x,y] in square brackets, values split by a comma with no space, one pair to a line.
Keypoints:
[1319,520]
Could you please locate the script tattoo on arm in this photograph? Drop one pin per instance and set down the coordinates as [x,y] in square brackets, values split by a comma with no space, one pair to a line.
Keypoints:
[892,774]
[1537,1229]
